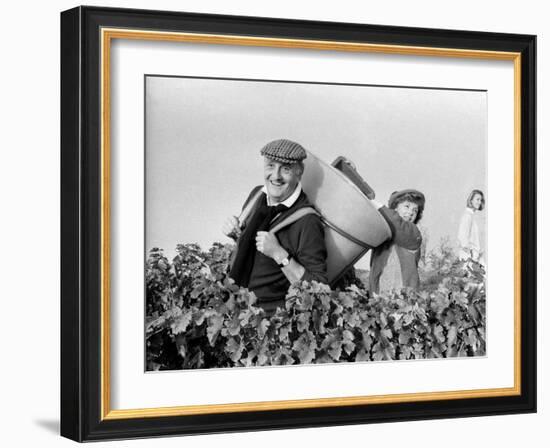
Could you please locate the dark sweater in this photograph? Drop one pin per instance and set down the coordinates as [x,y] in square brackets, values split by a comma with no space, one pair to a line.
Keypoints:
[304,240]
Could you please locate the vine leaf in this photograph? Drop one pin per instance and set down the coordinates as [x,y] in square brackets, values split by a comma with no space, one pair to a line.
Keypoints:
[215,324]
[182,322]
[305,347]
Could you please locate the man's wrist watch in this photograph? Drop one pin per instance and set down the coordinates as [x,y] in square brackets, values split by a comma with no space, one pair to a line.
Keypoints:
[284,262]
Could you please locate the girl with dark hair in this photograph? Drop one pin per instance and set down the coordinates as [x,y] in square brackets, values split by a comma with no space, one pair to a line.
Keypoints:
[394,264]
[468,230]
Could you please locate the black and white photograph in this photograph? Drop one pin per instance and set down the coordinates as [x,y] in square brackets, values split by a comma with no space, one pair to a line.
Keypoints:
[275,224]
[292,223]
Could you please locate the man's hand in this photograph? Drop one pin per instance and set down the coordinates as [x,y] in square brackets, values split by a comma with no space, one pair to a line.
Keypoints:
[231,227]
[268,244]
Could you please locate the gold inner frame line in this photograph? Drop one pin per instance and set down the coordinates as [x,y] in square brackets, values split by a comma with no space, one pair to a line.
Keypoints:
[107,35]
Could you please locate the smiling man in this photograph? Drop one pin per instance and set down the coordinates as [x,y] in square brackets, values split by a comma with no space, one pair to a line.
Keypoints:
[267,262]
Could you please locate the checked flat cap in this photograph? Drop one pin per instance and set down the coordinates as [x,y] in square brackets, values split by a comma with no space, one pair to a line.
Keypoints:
[285,151]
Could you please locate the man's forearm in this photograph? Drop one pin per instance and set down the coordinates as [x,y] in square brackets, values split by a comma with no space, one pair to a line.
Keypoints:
[293,271]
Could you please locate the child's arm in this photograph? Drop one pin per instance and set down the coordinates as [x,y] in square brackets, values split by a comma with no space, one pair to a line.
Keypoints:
[404,233]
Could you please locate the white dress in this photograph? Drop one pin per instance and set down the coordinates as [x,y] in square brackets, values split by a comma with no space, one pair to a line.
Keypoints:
[468,237]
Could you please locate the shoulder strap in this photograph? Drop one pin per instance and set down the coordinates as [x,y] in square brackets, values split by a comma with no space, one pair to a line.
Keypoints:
[311,211]
[293,218]
[250,206]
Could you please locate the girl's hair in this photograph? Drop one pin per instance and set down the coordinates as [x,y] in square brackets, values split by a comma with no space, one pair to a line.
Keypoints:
[471,197]
[411,196]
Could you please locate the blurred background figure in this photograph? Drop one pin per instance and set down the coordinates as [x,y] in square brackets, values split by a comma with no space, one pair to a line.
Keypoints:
[468,231]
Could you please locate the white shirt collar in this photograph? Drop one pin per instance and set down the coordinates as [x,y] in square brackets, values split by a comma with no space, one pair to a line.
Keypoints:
[288,202]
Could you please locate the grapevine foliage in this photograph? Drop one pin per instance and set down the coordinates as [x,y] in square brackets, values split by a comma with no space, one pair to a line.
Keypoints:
[198,318]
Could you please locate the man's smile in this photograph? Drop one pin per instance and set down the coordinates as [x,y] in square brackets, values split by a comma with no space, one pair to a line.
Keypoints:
[281,179]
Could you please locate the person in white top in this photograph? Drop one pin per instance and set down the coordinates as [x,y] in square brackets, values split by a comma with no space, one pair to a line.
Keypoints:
[468,230]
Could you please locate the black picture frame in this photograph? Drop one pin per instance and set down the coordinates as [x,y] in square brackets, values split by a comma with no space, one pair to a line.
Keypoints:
[82,397]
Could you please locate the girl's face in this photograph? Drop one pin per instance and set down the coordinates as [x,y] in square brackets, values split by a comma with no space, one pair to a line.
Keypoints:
[407,210]
[476,201]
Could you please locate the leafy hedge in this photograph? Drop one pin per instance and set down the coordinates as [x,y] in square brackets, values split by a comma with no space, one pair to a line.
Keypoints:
[197,318]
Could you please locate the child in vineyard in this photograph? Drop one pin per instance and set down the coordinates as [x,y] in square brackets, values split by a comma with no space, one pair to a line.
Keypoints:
[394,264]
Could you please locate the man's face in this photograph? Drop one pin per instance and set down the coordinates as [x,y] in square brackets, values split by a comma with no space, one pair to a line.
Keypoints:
[281,179]
[407,210]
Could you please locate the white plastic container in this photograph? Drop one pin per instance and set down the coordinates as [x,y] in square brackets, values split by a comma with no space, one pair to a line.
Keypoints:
[353,226]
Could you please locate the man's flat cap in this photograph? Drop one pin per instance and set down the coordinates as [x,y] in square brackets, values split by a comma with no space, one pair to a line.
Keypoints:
[285,151]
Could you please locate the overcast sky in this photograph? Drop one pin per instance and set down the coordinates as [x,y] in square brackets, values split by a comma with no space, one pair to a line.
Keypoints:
[203,138]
